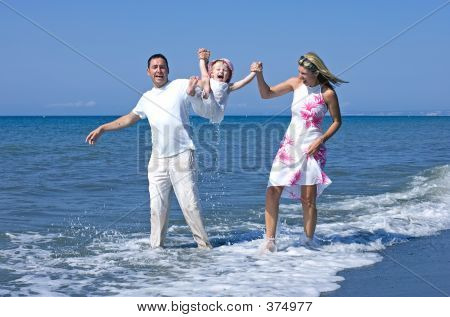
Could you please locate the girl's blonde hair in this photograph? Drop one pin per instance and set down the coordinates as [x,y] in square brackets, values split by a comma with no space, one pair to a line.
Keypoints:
[314,63]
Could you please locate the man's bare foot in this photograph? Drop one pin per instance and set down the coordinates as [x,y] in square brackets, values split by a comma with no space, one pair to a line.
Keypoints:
[191,86]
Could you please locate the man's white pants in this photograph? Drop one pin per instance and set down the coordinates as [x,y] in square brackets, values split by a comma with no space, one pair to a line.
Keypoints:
[176,173]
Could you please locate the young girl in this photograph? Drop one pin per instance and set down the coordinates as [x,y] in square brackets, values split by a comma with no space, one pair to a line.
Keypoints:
[209,94]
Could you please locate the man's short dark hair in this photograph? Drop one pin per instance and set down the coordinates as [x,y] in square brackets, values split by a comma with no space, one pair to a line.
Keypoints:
[159,55]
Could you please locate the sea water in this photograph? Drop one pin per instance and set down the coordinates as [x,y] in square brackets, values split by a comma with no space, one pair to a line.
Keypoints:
[74,219]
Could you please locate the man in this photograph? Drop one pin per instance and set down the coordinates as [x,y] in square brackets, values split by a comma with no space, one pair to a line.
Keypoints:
[172,163]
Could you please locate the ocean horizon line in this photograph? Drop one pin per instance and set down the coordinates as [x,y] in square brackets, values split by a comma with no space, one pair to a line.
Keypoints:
[233,115]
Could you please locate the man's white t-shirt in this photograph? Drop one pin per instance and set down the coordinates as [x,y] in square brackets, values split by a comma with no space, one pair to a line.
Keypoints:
[167,110]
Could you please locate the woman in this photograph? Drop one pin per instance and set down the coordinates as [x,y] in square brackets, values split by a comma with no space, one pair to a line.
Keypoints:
[297,170]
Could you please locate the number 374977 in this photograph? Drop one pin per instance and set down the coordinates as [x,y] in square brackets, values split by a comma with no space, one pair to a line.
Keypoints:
[288,306]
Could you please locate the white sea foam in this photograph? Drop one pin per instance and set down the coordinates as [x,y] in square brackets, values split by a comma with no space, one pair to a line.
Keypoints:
[420,210]
[124,265]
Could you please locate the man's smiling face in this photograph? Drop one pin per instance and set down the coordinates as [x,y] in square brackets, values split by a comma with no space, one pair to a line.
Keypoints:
[158,72]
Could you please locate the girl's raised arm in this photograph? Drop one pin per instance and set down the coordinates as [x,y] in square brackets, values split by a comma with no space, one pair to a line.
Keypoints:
[203,57]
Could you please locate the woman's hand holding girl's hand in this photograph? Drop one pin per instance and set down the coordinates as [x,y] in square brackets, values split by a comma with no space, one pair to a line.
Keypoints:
[256,67]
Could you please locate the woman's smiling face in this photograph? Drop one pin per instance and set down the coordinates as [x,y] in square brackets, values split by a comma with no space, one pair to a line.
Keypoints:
[308,77]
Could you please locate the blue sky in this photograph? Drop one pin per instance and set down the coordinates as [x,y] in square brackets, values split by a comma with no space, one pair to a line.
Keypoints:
[40,76]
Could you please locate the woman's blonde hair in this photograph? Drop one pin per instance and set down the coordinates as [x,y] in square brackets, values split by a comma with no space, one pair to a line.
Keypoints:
[314,63]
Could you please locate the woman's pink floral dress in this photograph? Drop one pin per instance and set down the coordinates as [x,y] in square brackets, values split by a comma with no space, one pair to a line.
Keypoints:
[292,167]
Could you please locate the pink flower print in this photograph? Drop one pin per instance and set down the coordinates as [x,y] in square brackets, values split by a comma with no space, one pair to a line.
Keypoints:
[286,141]
[312,118]
[295,178]
[310,106]
[320,156]
[283,156]
[316,120]
[305,114]
[318,99]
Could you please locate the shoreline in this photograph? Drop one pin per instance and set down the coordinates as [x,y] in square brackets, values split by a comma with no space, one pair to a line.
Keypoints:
[419,267]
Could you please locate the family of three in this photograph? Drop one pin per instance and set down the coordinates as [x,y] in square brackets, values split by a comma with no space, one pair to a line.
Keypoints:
[297,170]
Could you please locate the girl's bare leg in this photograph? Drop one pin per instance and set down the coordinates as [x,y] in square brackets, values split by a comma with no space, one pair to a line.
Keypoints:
[191,86]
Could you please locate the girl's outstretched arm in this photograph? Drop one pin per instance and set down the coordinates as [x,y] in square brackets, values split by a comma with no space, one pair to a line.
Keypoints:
[247,79]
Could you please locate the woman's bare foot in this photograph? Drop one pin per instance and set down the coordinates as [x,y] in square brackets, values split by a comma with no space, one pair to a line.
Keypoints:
[268,246]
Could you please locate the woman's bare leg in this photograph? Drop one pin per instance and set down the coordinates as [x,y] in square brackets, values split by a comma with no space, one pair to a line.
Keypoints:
[273,195]
[309,193]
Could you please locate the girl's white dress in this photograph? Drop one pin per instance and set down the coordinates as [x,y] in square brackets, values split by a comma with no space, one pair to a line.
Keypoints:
[213,107]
